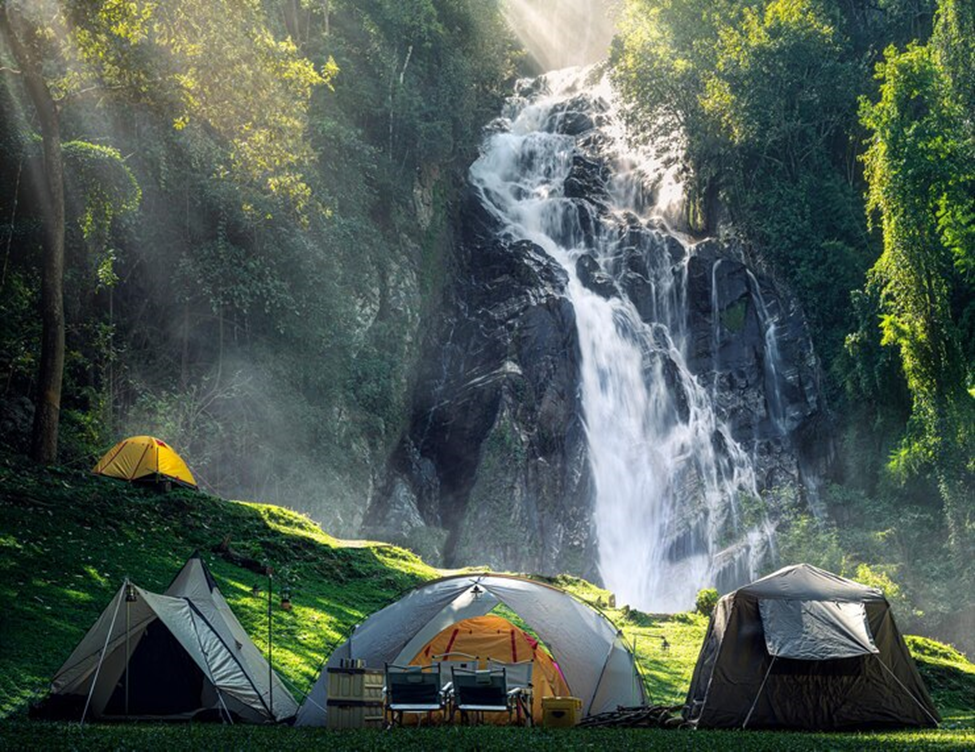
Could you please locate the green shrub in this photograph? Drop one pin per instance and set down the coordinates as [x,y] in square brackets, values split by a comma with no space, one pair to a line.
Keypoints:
[706,600]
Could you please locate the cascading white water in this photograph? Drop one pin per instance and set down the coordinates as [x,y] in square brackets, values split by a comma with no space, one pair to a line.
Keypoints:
[668,475]
[773,385]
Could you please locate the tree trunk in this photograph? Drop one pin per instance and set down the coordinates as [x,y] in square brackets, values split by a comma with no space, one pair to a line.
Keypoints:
[44,442]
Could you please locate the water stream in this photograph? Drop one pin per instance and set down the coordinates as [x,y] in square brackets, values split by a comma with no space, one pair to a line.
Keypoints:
[669,477]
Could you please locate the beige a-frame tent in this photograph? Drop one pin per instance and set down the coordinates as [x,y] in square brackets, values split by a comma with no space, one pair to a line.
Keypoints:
[178,656]
[590,651]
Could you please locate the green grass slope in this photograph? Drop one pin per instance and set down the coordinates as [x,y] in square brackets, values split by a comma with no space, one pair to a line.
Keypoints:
[67,540]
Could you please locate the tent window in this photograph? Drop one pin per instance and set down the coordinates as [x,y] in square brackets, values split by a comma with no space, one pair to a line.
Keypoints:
[815,630]
[163,678]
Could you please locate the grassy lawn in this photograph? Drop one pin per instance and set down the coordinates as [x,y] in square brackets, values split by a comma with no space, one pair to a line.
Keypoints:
[67,540]
[166,738]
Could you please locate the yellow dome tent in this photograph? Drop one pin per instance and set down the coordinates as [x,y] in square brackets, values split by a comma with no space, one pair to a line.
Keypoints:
[492,637]
[144,458]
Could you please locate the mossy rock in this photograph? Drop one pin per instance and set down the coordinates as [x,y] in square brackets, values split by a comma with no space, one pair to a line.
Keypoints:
[733,317]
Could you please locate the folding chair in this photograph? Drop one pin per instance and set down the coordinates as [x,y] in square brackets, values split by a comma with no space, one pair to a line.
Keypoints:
[411,689]
[447,661]
[479,692]
[520,688]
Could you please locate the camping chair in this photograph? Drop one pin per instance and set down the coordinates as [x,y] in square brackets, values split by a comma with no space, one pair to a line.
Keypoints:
[480,692]
[520,689]
[411,689]
[447,661]
[458,659]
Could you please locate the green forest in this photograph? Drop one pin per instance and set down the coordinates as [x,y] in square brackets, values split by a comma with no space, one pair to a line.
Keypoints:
[229,223]
[250,203]
[839,136]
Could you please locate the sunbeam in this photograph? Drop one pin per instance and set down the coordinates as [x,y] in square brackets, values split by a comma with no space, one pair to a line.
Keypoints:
[560,33]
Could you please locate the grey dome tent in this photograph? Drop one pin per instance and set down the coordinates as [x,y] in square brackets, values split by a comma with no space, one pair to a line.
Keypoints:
[594,660]
[176,656]
[806,649]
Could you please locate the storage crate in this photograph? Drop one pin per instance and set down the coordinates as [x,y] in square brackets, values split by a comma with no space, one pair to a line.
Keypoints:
[355,698]
[343,714]
[357,684]
[561,712]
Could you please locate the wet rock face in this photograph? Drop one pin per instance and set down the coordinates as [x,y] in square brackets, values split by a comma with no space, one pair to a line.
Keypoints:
[769,393]
[493,469]
[591,275]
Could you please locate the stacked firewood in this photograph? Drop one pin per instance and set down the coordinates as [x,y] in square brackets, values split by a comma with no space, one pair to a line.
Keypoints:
[638,716]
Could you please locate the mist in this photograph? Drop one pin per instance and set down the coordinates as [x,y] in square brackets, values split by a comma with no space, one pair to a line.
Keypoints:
[562,33]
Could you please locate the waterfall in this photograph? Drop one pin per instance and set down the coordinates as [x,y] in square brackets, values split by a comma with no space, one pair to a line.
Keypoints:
[670,480]
[773,382]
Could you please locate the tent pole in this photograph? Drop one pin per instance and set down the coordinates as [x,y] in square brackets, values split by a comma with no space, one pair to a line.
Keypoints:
[101,658]
[909,693]
[270,646]
[638,679]
[759,693]
[127,654]
[618,636]
[206,657]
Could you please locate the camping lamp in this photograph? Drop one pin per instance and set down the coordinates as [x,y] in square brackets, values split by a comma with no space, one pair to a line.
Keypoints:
[477,592]
[256,590]
[130,596]
[286,599]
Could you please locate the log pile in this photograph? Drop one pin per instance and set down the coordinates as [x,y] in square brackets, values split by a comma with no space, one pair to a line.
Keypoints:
[638,716]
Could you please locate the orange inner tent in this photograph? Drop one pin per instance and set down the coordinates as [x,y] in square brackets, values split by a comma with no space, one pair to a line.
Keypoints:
[485,637]
[144,458]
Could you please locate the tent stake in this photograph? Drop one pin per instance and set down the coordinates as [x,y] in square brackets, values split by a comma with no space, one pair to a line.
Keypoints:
[101,658]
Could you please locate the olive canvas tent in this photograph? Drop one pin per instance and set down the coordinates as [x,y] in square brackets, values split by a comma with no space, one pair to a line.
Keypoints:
[178,656]
[806,649]
[594,661]
[145,458]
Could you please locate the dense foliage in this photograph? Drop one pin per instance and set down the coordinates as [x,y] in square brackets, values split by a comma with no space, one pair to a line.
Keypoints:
[921,172]
[258,201]
[837,136]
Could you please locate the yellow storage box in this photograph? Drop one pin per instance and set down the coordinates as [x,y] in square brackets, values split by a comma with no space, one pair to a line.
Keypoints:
[561,712]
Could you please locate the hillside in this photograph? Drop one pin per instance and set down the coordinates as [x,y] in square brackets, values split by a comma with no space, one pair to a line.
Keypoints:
[67,539]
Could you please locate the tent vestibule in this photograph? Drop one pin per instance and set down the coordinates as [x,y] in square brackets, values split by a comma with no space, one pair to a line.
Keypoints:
[483,640]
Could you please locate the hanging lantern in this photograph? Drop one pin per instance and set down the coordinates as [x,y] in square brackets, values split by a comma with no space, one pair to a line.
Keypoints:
[476,592]
[130,596]
[286,599]
[256,590]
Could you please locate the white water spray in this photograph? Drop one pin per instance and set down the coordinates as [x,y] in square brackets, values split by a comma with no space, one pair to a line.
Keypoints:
[668,475]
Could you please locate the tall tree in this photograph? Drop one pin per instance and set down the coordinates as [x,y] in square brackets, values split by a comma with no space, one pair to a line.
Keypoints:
[921,171]
[23,37]
[213,64]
